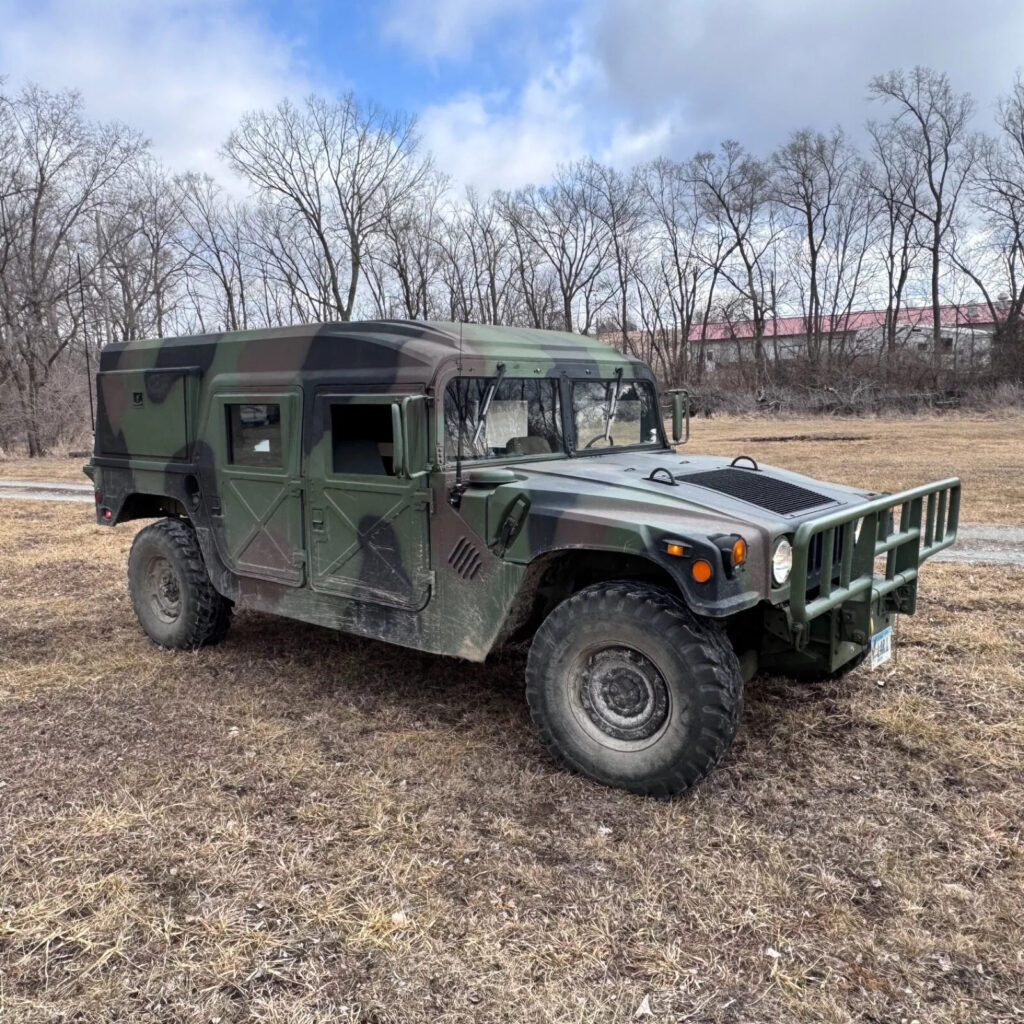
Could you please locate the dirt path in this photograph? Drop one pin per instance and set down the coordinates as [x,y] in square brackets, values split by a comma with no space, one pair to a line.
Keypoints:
[985,544]
[43,490]
[976,544]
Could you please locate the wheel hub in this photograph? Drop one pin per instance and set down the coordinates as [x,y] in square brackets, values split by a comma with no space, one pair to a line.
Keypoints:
[162,589]
[623,693]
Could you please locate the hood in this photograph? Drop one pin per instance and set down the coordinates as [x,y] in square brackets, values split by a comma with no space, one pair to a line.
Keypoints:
[716,491]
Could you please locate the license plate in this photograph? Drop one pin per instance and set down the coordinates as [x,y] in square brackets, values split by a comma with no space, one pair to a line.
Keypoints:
[881,647]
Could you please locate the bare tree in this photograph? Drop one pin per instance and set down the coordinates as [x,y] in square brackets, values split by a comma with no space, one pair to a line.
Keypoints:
[734,192]
[620,206]
[339,168]
[823,183]
[560,223]
[407,253]
[992,255]
[931,128]
[136,241]
[689,251]
[61,171]
[214,240]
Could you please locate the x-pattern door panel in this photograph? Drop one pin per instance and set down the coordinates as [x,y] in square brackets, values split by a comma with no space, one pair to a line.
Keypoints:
[372,544]
[261,511]
[369,533]
[265,519]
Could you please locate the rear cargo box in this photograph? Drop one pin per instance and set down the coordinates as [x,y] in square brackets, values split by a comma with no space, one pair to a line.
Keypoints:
[144,413]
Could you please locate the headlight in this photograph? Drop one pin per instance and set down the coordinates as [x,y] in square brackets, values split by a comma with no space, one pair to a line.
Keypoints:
[782,561]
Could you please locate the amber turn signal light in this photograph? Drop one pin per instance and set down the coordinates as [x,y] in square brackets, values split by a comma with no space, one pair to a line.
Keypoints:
[739,551]
[701,570]
[675,548]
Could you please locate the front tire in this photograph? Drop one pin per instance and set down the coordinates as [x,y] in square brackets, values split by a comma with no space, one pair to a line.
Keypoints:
[629,687]
[171,592]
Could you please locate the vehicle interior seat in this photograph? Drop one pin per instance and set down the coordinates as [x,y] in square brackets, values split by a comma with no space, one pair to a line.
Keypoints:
[531,444]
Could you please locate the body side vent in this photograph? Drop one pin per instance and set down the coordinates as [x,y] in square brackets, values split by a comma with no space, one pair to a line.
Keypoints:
[465,559]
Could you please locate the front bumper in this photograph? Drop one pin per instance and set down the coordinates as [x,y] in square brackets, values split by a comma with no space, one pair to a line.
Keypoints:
[837,559]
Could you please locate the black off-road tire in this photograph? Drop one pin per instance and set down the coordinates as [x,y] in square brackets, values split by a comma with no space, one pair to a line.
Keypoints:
[171,592]
[629,687]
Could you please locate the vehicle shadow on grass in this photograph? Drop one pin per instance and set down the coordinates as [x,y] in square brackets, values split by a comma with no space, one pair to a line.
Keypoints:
[310,669]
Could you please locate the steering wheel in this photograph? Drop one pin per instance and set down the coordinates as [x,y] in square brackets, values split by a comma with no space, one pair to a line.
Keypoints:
[600,437]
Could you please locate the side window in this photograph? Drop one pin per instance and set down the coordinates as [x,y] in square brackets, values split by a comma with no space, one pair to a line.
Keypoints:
[362,441]
[254,434]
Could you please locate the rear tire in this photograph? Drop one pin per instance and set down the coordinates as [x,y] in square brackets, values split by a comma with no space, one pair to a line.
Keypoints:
[171,592]
[629,687]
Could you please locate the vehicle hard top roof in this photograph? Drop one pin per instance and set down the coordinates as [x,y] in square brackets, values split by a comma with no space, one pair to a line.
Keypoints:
[372,351]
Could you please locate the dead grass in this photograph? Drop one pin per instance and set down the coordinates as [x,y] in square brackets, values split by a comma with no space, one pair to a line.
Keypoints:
[299,826]
[987,453]
[53,467]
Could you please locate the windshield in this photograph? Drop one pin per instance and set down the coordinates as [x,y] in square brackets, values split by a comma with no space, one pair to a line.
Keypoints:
[614,413]
[501,417]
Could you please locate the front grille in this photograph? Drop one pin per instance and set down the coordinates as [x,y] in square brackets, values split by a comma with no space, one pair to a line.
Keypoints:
[756,488]
[814,557]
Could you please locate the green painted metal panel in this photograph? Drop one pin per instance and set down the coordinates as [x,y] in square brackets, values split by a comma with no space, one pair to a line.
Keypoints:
[261,505]
[369,530]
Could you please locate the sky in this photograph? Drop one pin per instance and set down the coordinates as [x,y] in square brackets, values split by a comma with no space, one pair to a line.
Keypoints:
[505,90]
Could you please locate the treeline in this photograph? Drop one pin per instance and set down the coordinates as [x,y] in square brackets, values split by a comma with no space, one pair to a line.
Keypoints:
[343,215]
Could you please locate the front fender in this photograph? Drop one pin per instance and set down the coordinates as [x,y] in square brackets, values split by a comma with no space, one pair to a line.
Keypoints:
[547,531]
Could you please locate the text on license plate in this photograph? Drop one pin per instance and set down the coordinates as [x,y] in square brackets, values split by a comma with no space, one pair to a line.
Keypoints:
[881,647]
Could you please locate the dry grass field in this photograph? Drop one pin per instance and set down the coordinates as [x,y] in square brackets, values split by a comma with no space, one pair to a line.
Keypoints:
[986,452]
[298,826]
[886,454]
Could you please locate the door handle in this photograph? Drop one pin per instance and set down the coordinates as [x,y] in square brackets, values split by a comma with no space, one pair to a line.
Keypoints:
[316,517]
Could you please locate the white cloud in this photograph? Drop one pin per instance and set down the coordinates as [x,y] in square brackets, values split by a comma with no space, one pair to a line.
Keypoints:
[494,141]
[447,28]
[756,70]
[182,73]
[632,143]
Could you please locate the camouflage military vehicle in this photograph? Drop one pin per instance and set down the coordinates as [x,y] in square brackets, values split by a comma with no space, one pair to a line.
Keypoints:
[453,489]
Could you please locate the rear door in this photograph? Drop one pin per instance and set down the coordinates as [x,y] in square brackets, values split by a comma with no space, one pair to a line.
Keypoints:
[368,517]
[259,483]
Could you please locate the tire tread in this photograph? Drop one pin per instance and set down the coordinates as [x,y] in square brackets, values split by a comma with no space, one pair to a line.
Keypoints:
[212,612]
[718,685]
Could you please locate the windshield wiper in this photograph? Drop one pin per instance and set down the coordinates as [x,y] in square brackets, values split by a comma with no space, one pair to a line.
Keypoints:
[612,405]
[491,389]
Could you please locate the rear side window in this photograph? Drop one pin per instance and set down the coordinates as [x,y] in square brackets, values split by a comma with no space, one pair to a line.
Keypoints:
[254,434]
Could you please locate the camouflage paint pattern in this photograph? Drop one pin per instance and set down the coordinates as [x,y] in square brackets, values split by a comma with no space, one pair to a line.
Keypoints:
[393,556]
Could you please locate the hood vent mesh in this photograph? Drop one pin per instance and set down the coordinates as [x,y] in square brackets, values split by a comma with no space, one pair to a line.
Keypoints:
[758,489]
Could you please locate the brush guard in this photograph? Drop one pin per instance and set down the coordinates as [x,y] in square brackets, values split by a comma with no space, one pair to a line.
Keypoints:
[904,529]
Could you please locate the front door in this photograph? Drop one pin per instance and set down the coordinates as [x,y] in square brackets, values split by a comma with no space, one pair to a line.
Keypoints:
[369,518]
[259,485]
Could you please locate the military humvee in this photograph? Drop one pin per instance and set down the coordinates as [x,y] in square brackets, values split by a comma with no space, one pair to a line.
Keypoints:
[454,488]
